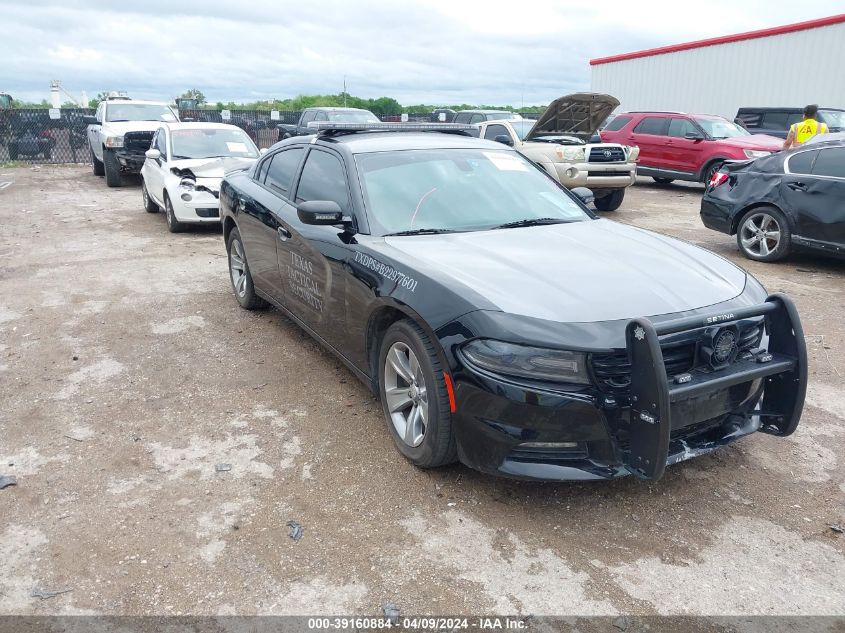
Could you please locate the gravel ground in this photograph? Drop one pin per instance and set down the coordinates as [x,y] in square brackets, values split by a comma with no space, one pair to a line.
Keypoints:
[127,372]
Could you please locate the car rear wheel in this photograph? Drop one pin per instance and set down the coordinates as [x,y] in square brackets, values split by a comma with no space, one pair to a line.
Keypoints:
[764,235]
[149,205]
[663,181]
[611,201]
[173,225]
[240,275]
[112,168]
[414,397]
[98,164]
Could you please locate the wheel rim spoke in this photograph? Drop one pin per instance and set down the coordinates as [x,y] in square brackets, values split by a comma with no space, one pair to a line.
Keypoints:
[400,364]
[397,399]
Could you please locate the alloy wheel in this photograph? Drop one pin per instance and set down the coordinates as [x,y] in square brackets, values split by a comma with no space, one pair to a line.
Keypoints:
[760,234]
[405,393]
[237,268]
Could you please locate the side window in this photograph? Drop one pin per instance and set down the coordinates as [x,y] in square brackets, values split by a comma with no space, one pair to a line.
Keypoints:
[262,169]
[652,125]
[461,117]
[308,116]
[830,162]
[749,118]
[323,178]
[282,168]
[477,118]
[774,120]
[101,110]
[679,128]
[617,124]
[794,118]
[496,130]
[321,116]
[802,162]
[161,143]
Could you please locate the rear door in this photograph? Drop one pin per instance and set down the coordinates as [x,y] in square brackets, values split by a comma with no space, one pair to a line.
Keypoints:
[261,210]
[650,136]
[311,261]
[817,196]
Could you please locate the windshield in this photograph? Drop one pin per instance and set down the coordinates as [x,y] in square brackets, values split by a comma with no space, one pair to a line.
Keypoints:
[211,143]
[458,190]
[522,127]
[353,117]
[835,119]
[721,128]
[138,112]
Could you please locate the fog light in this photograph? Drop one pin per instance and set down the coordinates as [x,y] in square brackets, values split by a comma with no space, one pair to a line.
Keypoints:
[571,173]
[186,197]
[548,445]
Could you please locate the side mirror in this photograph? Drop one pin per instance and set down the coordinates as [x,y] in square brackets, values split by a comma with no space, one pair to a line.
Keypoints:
[319,212]
[693,136]
[90,119]
[504,139]
[153,154]
[583,194]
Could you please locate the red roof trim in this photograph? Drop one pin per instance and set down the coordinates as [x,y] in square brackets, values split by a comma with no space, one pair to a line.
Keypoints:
[726,39]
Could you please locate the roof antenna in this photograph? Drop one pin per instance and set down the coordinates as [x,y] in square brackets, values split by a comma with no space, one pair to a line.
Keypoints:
[344,91]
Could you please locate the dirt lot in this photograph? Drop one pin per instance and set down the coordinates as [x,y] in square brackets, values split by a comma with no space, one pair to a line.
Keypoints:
[127,372]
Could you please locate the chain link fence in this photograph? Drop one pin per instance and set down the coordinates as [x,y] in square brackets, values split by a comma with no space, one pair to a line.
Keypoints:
[61,136]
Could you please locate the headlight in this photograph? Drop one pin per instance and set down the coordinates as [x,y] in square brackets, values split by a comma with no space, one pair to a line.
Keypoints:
[187,183]
[574,154]
[633,153]
[527,362]
[113,141]
[754,153]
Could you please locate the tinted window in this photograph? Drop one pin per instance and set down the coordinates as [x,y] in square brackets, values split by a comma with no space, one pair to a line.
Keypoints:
[282,168]
[617,124]
[750,118]
[308,116]
[802,162]
[323,178]
[262,169]
[679,128]
[775,120]
[477,118]
[321,116]
[652,125]
[831,162]
[496,130]
[461,117]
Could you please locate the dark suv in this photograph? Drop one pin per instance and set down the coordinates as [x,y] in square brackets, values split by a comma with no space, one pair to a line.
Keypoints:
[776,121]
[679,146]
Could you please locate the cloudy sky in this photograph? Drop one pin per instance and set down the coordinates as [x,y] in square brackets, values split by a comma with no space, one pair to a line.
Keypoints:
[431,51]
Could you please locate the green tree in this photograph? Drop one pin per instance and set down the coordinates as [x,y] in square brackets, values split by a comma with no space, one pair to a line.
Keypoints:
[194,93]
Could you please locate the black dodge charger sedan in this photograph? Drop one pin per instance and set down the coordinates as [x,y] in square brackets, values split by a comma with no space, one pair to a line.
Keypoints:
[500,322]
[789,201]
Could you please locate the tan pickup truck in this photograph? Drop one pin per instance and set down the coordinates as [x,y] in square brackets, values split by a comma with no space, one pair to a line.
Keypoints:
[558,141]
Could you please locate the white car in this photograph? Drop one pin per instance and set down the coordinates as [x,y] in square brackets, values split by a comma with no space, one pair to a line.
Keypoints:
[184,167]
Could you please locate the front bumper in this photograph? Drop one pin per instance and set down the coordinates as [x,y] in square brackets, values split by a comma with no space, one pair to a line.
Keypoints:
[525,431]
[596,175]
[203,206]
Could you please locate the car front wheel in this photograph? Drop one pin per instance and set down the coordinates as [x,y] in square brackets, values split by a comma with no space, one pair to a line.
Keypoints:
[414,398]
[764,235]
[239,273]
[112,168]
[611,201]
[149,205]
[173,225]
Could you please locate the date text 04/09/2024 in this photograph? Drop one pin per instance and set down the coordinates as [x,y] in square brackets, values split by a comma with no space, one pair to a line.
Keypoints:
[418,623]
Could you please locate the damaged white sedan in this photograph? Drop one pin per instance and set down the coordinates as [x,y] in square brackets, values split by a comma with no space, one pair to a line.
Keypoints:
[184,167]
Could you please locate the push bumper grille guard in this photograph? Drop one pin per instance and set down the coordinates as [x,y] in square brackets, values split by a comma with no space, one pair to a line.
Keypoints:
[652,394]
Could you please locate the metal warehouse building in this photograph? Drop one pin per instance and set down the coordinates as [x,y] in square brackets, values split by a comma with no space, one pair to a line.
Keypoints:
[790,65]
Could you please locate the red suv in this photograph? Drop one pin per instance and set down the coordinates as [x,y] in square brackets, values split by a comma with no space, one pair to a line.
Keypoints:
[678,146]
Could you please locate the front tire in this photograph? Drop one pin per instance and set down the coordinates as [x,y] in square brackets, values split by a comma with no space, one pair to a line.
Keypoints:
[99,170]
[414,397]
[173,225]
[239,274]
[711,171]
[112,168]
[611,201]
[149,204]
[764,235]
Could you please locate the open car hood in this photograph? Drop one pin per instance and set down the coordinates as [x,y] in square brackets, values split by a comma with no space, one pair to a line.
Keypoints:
[210,167]
[578,114]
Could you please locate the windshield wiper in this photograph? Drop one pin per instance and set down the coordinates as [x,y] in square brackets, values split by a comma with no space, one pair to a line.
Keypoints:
[530,222]
[421,232]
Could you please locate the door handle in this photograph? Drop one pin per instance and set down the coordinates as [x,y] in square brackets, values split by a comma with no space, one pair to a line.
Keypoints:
[797,186]
[284,234]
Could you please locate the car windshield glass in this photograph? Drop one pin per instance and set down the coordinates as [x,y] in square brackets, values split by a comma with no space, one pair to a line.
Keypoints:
[522,127]
[211,143]
[459,190]
[835,119]
[138,112]
[353,117]
[721,128]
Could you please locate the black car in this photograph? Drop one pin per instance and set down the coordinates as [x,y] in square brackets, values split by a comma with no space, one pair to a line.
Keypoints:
[789,201]
[777,121]
[500,322]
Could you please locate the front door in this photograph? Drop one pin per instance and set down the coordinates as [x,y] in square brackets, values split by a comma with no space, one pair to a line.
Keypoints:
[683,154]
[312,258]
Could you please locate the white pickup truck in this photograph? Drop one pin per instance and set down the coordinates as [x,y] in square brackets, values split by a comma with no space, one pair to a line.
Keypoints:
[120,132]
[558,142]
